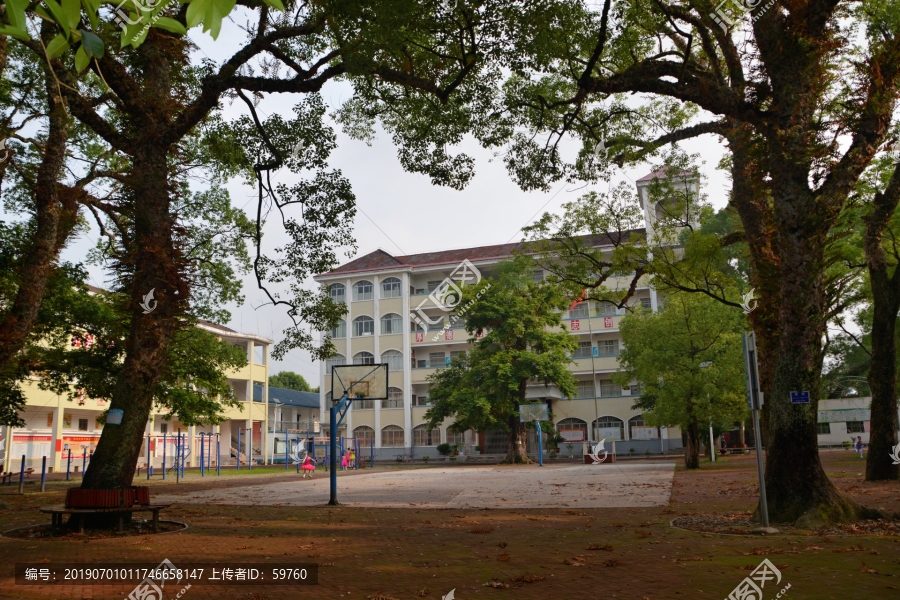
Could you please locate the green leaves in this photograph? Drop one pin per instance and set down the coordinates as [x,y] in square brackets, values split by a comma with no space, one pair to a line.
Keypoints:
[91,43]
[210,13]
[170,25]
[15,12]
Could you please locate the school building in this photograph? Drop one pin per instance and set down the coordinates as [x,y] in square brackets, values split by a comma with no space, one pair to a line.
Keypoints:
[397,313]
[56,426]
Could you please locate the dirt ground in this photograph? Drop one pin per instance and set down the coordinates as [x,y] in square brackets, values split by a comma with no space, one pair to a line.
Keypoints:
[406,553]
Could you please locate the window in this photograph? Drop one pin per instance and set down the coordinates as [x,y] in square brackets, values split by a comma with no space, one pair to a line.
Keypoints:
[606,309]
[259,354]
[635,389]
[334,360]
[340,331]
[436,359]
[363,358]
[457,354]
[433,285]
[392,436]
[454,438]
[609,389]
[581,310]
[337,292]
[164,428]
[363,404]
[610,428]
[426,437]
[457,322]
[645,302]
[258,389]
[572,424]
[537,276]
[390,288]
[363,290]
[391,323]
[583,350]
[394,399]
[421,401]
[823,428]
[364,434]
[585,389]
[82,424]
[637,421]
[856,427]
[363,326]
[608,347]
[394,359]
[414,326]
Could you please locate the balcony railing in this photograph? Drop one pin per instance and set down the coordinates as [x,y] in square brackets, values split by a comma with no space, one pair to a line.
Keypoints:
[310,425]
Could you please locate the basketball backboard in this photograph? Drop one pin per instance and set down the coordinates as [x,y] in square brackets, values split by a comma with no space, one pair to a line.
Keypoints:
[533,412]
[364,382]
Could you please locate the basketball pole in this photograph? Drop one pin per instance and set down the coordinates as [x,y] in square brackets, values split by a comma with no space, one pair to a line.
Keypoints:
[338,410]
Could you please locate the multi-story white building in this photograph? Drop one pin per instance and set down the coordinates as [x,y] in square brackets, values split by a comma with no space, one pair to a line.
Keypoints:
[389,297]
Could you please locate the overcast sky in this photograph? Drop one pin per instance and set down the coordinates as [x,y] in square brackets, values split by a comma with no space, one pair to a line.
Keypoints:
[399,212]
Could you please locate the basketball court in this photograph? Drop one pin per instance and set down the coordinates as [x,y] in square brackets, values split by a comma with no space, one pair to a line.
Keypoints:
[572,486]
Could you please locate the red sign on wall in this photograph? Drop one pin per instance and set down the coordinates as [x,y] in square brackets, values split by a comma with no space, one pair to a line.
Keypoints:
[607,322]
[420,336]
[448,334]
[575,325]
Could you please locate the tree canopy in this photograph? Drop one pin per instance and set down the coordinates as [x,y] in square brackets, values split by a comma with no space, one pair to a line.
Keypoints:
[519,339]
[290,381]
[688,361]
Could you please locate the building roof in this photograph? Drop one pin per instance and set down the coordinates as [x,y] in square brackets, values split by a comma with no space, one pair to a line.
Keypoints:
[215,326]
[294,398]
[379,260]
[661,174]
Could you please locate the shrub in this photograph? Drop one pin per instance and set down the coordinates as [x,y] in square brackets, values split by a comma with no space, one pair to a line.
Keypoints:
[444,449]
[425,458]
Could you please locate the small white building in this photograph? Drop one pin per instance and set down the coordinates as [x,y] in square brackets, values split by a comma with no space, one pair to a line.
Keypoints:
[843,419]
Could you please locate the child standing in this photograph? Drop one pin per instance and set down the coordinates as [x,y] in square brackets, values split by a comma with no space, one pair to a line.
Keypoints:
[344,460]
[859,446]
[308,466]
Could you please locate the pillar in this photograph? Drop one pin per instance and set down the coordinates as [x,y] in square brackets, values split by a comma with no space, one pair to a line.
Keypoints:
[56,442]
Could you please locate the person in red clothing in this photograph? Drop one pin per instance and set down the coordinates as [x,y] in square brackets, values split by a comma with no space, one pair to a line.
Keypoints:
[309,466]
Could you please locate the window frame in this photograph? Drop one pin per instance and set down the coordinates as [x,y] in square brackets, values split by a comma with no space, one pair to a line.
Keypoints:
[333,296]
[330,362]
[343,323]
[394,430]
[370,293]
[395,284]
[396,357]
[360,320]
[363,355]
[428,436]
[395,321]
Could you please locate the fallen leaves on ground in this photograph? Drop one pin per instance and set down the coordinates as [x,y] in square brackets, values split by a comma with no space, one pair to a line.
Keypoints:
[606,547]
[867,569]
[496,584]
[503,557]
[525,578]
[481,530]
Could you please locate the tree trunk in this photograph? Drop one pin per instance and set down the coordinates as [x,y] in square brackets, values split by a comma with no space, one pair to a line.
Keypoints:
[883,368]
[155,263]
[516,450]
[158,267]
[742,439]
[692,452]
[54,217]
[798,490]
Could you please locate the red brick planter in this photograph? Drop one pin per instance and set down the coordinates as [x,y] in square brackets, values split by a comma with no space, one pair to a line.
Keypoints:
[79,498]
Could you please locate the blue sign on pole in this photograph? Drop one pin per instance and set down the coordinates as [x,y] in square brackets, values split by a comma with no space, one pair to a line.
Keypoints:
[799,397]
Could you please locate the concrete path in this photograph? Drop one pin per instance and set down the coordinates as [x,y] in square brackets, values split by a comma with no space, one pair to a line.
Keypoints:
[579,486]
